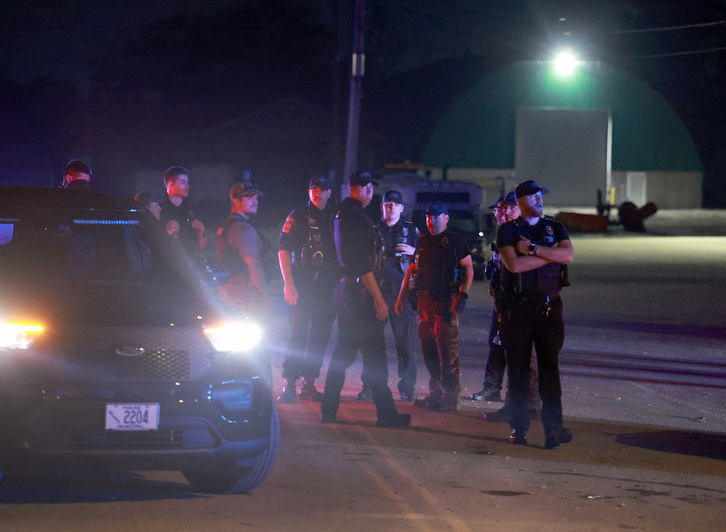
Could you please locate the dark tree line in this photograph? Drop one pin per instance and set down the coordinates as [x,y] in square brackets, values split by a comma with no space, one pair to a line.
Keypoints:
[188,73]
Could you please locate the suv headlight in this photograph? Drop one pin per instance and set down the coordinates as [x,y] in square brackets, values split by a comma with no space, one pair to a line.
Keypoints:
[239,336]
[18,335]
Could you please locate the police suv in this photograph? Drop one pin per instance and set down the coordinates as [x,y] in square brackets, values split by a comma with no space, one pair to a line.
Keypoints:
[116,353]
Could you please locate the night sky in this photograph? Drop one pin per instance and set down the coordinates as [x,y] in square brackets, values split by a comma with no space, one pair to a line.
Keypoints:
[82,74]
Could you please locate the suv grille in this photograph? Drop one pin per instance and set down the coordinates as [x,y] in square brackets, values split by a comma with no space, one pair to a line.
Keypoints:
[169,353]
[153,365]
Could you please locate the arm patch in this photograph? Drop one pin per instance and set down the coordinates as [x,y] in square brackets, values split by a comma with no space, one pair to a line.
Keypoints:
[288,224]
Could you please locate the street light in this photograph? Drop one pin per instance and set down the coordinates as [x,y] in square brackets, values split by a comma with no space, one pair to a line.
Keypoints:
[565,63]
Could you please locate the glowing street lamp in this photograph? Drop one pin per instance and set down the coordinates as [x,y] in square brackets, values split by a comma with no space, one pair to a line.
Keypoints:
[565,63]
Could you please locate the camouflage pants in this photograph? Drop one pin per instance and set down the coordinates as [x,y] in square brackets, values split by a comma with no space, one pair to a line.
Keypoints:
[438,330]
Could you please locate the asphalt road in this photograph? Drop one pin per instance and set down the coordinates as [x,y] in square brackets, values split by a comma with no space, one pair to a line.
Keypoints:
[644,373]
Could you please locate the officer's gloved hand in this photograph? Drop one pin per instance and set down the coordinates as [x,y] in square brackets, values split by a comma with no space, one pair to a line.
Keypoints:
[460,303]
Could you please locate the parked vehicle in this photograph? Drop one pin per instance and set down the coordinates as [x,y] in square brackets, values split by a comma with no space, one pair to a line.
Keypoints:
[116,353]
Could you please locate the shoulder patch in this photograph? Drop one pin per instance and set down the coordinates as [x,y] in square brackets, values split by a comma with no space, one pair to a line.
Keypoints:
[288,224]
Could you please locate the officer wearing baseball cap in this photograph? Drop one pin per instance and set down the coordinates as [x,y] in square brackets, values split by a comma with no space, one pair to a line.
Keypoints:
[242,249]
[360,306]
[400,237]
[442,275]
[505,209]
[306,252]
[532,249]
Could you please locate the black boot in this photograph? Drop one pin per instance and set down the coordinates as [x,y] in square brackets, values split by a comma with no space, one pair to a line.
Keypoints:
[288,395]
[518,437]
[308,392]
[503,414]
[366,394]
[486,394]
[554,438]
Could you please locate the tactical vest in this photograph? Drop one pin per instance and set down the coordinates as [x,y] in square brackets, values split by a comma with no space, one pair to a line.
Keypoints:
[227,254]
[403,232]
[438,271]
[376,253]
[312,255]
[545,280]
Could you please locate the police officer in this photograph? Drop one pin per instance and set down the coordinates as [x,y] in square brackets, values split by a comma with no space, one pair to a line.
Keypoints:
[77,176]
[176,214]
[505,210]
[309,270]
[241,249]
[533,249]
[360,307]
[442,275]
[399,242]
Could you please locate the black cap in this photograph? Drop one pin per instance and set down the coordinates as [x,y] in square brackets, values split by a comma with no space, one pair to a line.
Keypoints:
[435,208]
[360,179]
[528,188]
[394,196]
[493,205]
[244,189]
[319,181]
[510,198]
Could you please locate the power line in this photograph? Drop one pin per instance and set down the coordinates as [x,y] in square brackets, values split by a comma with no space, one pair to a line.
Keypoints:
[671,28]
[686,52]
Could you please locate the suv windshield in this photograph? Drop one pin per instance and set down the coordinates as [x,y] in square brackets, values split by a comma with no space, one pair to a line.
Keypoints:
[92,249]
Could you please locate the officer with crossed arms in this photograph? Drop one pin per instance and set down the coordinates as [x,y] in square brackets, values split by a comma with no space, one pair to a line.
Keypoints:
[533,249]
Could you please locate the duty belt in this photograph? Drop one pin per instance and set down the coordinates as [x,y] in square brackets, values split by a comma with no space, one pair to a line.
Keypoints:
[537,299]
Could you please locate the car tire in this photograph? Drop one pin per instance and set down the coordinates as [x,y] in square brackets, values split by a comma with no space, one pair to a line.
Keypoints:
[240,479]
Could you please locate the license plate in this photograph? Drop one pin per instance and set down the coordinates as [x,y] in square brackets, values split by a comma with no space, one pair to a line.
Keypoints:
[133,416]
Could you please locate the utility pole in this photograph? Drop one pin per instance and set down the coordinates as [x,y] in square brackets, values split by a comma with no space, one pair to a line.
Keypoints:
[356,79]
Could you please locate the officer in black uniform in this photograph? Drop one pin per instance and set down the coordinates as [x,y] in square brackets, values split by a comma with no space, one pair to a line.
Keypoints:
[505,209]
[309,270]
[442,275]
[77,176]
[360,307]
[176,214]
[399,243]
[533,250]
